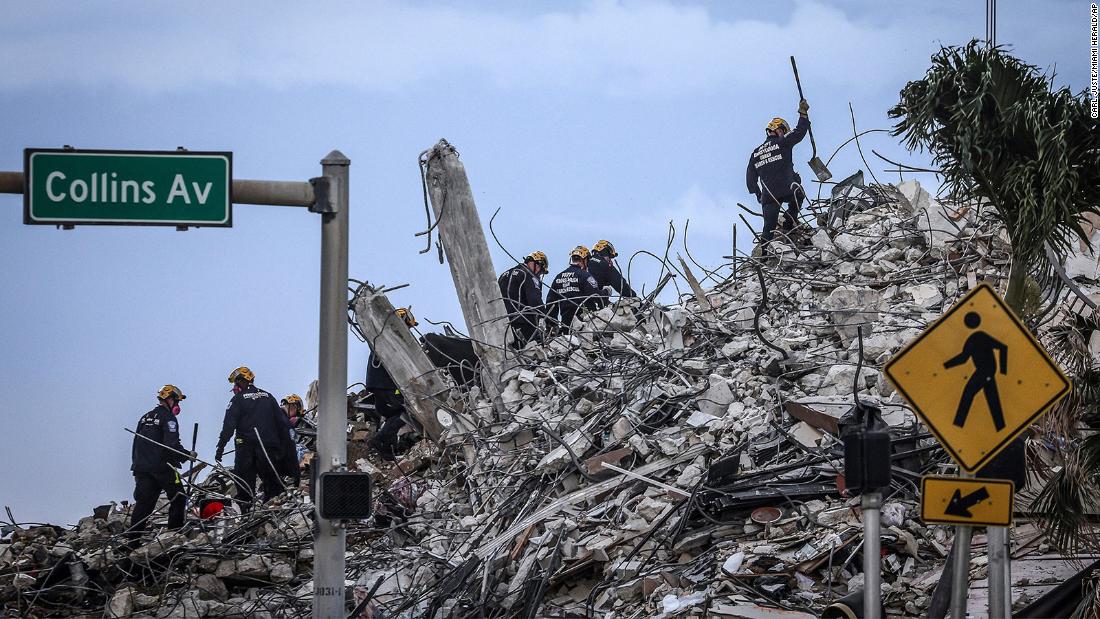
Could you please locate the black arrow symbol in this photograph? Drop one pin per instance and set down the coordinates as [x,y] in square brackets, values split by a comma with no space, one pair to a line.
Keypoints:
[960,505]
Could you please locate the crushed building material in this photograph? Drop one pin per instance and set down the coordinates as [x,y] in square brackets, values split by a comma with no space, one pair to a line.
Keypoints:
[659,461]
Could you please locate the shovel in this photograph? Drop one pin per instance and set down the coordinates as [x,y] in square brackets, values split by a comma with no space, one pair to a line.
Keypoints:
[816,164]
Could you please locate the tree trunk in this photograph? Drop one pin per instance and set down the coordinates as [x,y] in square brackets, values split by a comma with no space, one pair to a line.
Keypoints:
[1014,296]
[471,265]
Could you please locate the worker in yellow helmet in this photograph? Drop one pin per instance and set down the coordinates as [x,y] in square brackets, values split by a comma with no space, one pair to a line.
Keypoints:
[601,264]
[262,445]
[155,456]
[770,174]
[294,410]
[521,289]
[573,289]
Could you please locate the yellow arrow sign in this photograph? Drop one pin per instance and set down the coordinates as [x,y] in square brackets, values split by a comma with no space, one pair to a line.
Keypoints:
[958,500]
[977,378]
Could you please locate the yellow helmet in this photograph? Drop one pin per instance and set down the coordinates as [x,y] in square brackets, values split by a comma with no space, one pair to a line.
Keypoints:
[171,391]
[602,245]
[579,250]
[405,313]
[293,398]
[778,123]
[539,258]
[241,372]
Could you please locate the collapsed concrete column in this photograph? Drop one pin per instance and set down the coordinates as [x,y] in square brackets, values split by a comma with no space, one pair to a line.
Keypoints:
[471,265]
[417,377]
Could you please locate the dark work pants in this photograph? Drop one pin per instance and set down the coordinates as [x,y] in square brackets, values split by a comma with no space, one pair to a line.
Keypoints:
[249,462]
[522,332]
[771,208]
[147,488]
[390,404]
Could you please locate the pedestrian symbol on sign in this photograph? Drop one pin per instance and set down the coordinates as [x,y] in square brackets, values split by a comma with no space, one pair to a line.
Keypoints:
[979,349]
[957,377]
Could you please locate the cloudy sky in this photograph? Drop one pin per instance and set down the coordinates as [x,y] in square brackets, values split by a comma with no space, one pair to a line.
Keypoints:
[579,120]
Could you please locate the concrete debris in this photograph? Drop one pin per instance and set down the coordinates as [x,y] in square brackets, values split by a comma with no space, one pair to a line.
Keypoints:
[658,461]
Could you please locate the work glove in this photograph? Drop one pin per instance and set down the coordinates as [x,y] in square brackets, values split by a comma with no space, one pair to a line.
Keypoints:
[218,455]
[803,107]
[194,455]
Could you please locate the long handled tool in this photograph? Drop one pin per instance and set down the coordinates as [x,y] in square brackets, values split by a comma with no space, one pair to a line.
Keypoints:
[194,443]
[816,164]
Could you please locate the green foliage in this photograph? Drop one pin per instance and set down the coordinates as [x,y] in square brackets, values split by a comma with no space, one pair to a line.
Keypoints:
[999,130]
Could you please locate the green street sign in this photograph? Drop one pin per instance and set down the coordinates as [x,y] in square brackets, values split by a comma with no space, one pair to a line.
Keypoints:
[158,188]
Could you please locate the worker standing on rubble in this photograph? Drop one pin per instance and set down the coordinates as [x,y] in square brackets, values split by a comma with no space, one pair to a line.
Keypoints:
[155,455]
[388,401]
[293,408]
[601,264]
[261,443]
[521,289]
[573,289]
[770,174]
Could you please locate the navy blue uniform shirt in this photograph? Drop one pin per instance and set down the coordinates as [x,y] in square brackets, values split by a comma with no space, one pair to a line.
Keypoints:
[771,168]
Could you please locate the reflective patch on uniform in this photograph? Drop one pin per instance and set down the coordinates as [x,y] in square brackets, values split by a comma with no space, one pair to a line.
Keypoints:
[592,280]
[171,426]
[254,396]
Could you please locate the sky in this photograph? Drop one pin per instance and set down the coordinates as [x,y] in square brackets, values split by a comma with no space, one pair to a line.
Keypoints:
[578,120]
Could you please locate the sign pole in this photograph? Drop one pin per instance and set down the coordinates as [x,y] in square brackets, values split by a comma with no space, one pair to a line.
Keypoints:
[999,591]
[872,555]
[1008,572]
[960,577]
[330,543]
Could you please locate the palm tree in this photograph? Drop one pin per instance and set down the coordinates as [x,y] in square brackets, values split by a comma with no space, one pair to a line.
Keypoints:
[1003,135]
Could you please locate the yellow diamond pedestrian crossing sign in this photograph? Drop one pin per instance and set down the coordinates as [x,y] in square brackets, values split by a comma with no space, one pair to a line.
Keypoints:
[977,378]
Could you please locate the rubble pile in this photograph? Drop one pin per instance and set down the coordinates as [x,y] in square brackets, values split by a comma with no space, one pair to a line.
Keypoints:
[659,461]
[246,566]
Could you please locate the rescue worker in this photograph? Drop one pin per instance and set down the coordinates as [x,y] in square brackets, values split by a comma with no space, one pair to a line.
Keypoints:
[601,264]
[521,289]
[292,405]
[770,174]
[388,401]
[261,440]
[293,408]
[154,463]
[573,289]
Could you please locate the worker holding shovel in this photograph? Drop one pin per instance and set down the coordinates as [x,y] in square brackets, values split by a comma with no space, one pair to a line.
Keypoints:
[771,177]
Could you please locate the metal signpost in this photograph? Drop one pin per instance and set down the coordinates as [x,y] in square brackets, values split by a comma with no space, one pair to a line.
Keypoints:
[977,348]
[68,187]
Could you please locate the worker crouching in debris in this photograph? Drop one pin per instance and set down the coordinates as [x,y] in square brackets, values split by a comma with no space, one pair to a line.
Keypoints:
[771,177]
[573,289]
[388,401]
[262,444]
[602,267]
[521,289]
[155,455]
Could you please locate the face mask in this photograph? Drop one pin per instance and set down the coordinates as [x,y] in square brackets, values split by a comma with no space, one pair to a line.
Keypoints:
[236,390]
[176,409]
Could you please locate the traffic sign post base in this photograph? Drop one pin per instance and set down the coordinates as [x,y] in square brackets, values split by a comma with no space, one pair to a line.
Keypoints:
[1000,600]
[960,578]
[872,554]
